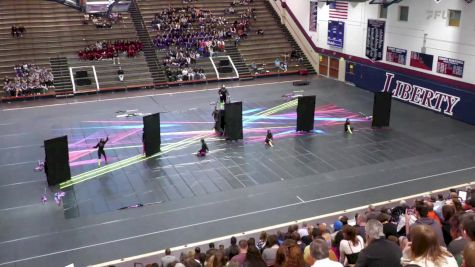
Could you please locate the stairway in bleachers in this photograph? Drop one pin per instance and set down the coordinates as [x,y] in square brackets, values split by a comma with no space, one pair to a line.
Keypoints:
[305,62]
[62,77]
[238,62]
[55,30]
[153,63]
[262,50]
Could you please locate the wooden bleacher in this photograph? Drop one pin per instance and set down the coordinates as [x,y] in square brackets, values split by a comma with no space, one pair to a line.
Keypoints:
[55,30]
[262,50]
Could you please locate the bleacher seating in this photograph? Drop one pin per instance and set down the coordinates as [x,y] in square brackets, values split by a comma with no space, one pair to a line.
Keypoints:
[58,34]
[262,50]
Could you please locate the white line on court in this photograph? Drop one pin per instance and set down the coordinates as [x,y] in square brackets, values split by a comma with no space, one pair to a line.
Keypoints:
[301,200]
[17,163]
[232,217]
[142,96]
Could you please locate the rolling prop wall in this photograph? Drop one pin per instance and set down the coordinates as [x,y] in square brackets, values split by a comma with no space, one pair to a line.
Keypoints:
[374,80]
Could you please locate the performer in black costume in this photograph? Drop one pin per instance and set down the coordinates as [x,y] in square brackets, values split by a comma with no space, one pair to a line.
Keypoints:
[100,150]
[203,150]
[348,128]
[269,139]
[223,94]
[216,117]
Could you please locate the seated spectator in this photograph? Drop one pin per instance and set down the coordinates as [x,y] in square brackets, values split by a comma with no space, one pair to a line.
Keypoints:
[350,246]
[277,62]
[388,227]
[260,32]
[425,250]
[29,79]
[319,251]
[120,74]
[379,251]
[111,50]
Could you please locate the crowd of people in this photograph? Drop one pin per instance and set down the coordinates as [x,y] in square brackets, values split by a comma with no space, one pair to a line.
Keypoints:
[437,231]
[109,50]
[29,79]
[189,33]
[18,32]
[103,21]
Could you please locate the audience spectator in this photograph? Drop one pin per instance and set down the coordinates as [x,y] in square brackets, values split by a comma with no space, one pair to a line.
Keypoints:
[108,50]
[18,32]
[261,244]
[29,79]
[379,251]
[360,225]
[389,228]
[270,250]
[372,213]
[469,255]
[350,246]
[468,226]
[320,252]
[168,258]
[253,258]
[425,249]
[448,211]
[217,260]
[199,256]
[422,211]
[232,250]
[211,251]
[241,257]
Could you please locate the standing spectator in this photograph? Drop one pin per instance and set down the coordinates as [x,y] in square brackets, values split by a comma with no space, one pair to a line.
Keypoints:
[199,256]
[303,231]
[448,212]
[379,251]
[217,260]
[253,258]
[261,244]
[241,257]
[468,226]
[168,258]
[425,250]
[350,246]
[319,251]
[422,211]
[270,251]
[210,251]
[232,250]
[458,243]
[372,213]
[360,225]
[469,255]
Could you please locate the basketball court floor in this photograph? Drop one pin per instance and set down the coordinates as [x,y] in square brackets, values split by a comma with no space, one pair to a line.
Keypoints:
[238,186]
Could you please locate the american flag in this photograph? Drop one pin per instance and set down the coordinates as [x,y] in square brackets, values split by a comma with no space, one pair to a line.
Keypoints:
[339,10]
